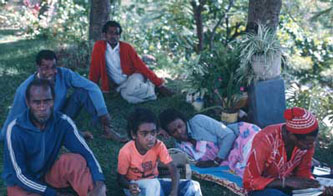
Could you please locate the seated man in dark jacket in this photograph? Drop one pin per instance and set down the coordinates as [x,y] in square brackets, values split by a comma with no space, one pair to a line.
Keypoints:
[32,144]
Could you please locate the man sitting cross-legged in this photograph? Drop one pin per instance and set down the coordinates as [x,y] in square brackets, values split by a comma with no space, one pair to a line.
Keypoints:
[116,62]
[32,144]
[86,94]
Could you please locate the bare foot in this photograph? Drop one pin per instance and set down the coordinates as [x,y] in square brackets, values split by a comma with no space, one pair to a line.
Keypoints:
[87,135]
[115,136]
[108,131]
[99,189]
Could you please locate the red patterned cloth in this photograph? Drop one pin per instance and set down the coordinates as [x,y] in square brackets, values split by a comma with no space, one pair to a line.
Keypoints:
[130,63]
[268,160]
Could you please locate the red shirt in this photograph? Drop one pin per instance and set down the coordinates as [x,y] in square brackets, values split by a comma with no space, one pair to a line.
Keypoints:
[130,63]
[136,166]
[268,160]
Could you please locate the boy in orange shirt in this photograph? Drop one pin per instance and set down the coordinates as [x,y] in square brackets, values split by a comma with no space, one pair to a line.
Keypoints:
[137,161]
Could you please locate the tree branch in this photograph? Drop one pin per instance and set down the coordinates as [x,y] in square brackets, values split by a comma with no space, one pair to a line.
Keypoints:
[211,39]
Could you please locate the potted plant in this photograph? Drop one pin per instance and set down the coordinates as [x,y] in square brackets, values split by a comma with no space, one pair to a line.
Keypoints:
[260,55]
[193,74]
[223,85]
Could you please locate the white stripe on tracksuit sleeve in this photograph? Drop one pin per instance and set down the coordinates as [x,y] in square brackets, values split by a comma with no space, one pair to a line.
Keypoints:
[17,158]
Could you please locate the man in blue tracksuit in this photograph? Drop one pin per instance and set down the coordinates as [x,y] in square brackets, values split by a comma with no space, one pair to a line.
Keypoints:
[86,94]
[32,143]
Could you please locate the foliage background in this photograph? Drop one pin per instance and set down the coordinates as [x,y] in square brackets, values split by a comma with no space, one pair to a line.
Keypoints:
[167,30]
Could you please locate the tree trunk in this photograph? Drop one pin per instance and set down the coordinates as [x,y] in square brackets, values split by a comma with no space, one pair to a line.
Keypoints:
[99,15]
[263,11]
[197,9]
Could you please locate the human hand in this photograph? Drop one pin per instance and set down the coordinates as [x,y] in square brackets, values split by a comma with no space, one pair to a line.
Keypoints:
[163,133]
[164,91]
[87,135]
[328,190]
[204,164]
[99,189]
[134,189]
[301,183]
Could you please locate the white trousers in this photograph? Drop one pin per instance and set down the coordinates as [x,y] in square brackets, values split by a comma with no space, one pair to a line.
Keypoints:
[137,89]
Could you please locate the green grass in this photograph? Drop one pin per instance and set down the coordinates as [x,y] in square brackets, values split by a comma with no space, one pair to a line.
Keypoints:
[17,57]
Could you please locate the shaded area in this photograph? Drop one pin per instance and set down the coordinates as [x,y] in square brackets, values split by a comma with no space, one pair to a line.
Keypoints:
[17,63]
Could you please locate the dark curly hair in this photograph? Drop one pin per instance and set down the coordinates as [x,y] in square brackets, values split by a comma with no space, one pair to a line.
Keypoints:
[138,117]
[169,115]
[111,24]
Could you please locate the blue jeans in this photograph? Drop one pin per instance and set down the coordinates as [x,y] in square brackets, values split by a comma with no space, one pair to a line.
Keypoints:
[148,187]
[162,187]
[185,187]
[78,99]
[268,192]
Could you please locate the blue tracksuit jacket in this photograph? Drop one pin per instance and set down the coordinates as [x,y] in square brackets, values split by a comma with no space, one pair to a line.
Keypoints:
[29,152]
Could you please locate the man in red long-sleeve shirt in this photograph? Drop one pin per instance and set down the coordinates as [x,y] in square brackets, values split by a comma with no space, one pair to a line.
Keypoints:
[117,61]
[280,158]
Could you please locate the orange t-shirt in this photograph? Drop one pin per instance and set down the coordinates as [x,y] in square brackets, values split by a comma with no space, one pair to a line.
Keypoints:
[136,166]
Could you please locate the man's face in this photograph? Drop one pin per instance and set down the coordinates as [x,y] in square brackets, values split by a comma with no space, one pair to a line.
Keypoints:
[47,70]
[307,143]
[145,137]
[112,36]
[177,129]
[40,105]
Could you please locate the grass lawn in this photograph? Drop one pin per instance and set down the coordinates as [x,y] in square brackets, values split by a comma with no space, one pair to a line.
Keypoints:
[17,57]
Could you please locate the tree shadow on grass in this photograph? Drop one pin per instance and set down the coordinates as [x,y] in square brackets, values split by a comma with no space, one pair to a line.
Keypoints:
[20,54]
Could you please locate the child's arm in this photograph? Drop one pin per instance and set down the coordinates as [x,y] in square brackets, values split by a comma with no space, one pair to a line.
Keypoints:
[123,182]
[174,178]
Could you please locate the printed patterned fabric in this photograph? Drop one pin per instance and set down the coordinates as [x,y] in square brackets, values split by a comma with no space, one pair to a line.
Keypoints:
[268,160]
[239,154]
[205,150]
[221,176]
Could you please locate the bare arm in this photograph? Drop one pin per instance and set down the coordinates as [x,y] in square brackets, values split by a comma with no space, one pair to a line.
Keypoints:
[123,182]
[294,183]
[174,178]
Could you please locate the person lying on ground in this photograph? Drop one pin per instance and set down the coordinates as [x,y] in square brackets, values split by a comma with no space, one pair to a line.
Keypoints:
[86,94]
[280,158]
[32,143]
[116,63]
[209,142]
[138,159]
